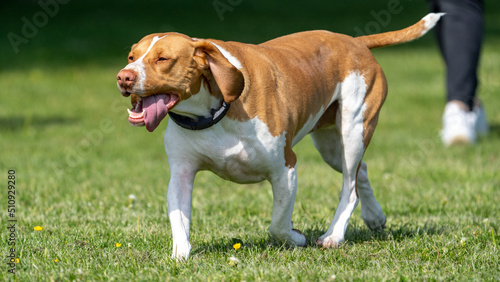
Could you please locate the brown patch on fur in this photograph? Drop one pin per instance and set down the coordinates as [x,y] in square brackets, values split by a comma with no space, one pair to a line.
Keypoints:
[374,99]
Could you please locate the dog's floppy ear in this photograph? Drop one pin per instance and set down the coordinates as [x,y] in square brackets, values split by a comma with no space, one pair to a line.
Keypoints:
[228,78]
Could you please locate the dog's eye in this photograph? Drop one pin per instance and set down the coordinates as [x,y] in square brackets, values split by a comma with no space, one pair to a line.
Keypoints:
[162,59]
[131,58]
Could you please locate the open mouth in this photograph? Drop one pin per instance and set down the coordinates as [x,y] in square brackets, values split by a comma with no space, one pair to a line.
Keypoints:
[151,110]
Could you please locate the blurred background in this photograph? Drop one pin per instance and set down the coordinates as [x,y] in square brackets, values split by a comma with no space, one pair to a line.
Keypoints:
[79,32]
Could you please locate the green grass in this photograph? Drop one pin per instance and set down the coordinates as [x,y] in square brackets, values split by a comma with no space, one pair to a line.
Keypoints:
[64,129]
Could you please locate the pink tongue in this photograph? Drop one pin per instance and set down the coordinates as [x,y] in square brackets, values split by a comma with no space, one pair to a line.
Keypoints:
[155,110]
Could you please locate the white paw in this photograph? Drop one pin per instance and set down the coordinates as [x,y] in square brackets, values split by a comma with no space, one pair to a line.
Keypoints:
[374,221]
[329,241]
[291,238]
[181,251]
[299,238]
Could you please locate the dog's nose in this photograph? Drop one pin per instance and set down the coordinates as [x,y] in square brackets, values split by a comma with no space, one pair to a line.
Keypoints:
[126,78]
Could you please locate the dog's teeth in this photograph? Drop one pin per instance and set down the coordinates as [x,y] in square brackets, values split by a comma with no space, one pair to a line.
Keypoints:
[135,115]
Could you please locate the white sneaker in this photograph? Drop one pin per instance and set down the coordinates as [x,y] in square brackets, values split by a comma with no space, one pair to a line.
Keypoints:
[459,125]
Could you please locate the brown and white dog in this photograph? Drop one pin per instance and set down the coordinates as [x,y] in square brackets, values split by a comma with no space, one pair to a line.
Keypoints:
[238,110]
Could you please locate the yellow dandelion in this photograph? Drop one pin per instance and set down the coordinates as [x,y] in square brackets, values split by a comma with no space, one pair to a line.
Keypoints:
[38,228]
[17,260]
[237,246]
[56,260]
[118,245]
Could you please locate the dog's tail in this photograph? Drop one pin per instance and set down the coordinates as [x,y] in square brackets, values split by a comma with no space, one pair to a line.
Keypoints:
[400,36]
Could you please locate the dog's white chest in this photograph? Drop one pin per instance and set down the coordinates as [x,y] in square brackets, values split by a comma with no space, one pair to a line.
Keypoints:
[243,152]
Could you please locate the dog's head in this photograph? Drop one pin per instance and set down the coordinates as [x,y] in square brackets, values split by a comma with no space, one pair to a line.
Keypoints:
[165,68]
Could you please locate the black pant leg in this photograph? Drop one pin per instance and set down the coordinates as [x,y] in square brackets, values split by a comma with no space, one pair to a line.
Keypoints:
[460,34]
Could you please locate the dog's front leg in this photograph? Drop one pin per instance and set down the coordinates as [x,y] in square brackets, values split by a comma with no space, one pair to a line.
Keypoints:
[284,192]
[179,209]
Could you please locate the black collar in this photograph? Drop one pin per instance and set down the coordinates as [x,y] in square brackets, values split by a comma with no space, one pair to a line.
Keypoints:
[203,122]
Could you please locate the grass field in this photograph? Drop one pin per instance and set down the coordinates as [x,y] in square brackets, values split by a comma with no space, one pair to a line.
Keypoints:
[64,130]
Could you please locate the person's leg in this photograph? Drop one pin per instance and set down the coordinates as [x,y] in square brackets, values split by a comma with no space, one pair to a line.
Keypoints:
[460,34]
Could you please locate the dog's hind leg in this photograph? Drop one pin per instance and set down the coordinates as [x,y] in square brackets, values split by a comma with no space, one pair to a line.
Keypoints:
[351,134]
[349,161]
[329,145]
[371,211]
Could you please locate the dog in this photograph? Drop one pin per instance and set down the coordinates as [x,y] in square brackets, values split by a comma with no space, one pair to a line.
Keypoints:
[238,110]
